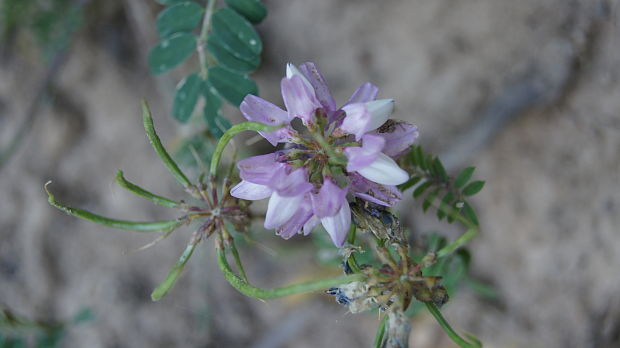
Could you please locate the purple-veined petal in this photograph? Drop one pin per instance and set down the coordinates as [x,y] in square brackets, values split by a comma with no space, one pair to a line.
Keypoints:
[292,70]
[399,136]
[384,171]
[299,99]
[281,209]
[337,226]
[291,184]
[250,191]
[314,76]
[311,224]
[386,195]
[364,93]
[297,221]
[259,110]
[329,199]
[259,169]
[360,157]
[356,120]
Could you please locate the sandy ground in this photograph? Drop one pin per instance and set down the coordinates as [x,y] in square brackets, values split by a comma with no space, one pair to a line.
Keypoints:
[528,91]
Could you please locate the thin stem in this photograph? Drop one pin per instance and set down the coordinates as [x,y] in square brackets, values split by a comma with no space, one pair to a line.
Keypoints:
[380,333]
[175,272]
[457,243]
[153,226]
[133,188]
[202,39]
[351,259]
[230,133]
[461,342]
[173,168]
[230,241]
[255,292]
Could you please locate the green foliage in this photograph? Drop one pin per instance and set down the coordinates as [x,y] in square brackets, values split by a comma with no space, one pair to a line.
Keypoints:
[253,10]
[227,59]
[51,23]
[236,34]
[171,52]
[187,93]
[436,188]
[230,85]
[180,17]
[16,330]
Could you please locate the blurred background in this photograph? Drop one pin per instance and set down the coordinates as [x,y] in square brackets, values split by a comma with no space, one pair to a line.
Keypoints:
[528,91]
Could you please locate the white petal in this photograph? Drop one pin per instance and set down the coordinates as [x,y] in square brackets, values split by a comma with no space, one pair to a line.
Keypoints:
[281,209]
[250,191]
[292,70]
[379,111]
[384,171]
[311,224]
[338,225]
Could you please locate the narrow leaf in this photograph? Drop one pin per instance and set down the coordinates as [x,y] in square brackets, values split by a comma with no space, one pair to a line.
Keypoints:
[445,204]
[173,168]
[153,226]
[186,97]
[430,199]
[171,52]
[473,188]
[439,168]
[253,10]
[420,189]
[463,177]
[470,214]
[236,33]
[409,183]
[166,202]
[182,16]
[230,85]
[174,274]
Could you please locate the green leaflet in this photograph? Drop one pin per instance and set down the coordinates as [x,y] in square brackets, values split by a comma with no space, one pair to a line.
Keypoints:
[182,16]
[231,85]
[171,52]
[186,97]
[227,59]
[253,10]
[236,34]
[216,123]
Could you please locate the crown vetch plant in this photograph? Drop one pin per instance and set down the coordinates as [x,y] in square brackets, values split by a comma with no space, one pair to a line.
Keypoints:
[335,167]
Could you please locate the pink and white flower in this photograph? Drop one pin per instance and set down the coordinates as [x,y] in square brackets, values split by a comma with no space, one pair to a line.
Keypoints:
[344,152]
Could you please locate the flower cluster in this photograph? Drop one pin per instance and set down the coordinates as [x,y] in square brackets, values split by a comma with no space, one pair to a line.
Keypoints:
[334,153]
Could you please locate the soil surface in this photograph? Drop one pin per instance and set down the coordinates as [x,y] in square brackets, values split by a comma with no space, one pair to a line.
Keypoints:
[528,91]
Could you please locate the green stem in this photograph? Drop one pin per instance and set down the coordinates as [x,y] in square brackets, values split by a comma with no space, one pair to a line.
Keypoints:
[351,260]
[202,40]
[175,272]
[380,332]
[255,292]
[135,189]
[457,243]
[461,342]
[334,157]
[230,133]
[173,168]
[153,226]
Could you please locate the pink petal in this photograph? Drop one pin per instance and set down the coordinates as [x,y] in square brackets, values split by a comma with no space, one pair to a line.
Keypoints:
[384,171]
[299,99]
[337,226]
[386,195]
[399,136]
[250,191]
[360,157]
[295,224]
[356,120]
[366,92]
[259,169]
[329,199]
[292,184]
[281,209]
[259,110]
[312,73]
